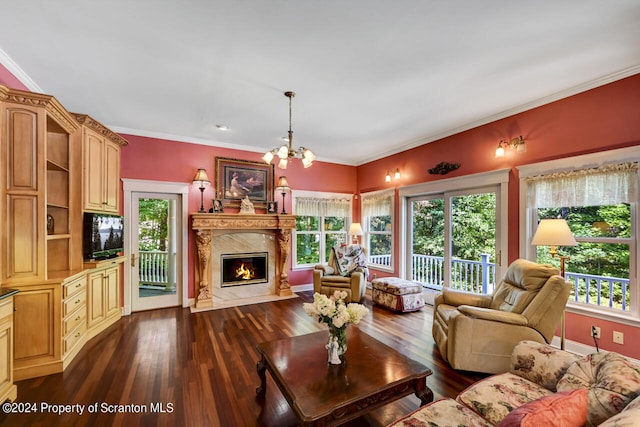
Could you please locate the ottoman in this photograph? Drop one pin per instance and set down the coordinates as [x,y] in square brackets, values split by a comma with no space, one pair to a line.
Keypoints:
[397,294]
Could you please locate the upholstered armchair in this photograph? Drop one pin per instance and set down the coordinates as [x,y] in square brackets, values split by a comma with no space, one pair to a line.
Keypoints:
[479,332]
[346,271]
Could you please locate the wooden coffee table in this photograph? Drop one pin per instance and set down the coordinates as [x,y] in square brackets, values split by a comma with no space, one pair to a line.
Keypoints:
[372,374]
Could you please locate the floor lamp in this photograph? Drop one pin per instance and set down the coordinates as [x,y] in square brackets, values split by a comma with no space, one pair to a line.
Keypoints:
[554,233]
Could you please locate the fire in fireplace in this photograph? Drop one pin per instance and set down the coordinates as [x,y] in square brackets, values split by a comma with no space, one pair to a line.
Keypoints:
[244,269]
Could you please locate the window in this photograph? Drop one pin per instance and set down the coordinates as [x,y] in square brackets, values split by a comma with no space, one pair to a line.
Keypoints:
[322,221]
[377,209]
[599,204]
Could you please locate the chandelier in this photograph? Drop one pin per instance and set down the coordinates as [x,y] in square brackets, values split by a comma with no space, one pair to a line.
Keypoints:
[285,152]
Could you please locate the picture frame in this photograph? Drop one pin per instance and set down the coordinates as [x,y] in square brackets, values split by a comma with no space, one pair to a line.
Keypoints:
[272,207]
[239,178]
[216,206]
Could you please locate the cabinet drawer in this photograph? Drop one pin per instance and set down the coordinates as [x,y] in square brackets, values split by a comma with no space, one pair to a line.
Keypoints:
[74,320]
[74,337]
[6,308]
[74,302]
[74,287]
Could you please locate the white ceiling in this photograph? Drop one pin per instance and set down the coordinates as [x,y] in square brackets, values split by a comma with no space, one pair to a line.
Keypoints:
[372,77]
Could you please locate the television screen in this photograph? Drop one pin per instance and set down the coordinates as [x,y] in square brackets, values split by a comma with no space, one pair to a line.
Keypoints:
[103,236]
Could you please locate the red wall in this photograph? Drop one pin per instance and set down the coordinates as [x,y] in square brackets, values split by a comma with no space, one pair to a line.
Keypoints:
[600,119]
[9,80]
[164,160]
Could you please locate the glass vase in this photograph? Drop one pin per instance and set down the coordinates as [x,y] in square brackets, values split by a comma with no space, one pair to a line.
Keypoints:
[340,336]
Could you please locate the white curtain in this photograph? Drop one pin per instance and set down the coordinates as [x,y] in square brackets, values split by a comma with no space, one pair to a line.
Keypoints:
[606,185]
[378,204]
[315,206]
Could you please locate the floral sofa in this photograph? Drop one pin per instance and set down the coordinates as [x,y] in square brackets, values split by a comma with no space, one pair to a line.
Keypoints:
[544,387]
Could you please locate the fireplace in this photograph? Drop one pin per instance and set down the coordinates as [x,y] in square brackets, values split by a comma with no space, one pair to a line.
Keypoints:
[244,269]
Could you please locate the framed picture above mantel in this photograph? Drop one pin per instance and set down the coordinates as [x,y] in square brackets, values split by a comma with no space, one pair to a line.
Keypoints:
[237,179]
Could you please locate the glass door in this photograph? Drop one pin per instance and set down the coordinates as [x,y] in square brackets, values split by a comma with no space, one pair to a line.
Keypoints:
[154,243]
[454,239]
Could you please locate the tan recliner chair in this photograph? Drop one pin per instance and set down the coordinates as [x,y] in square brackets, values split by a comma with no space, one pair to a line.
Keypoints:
[479,332]
[326,281]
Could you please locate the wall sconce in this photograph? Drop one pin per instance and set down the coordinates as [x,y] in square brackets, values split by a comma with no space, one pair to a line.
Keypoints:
[396,175]
[516,143]
[201,179]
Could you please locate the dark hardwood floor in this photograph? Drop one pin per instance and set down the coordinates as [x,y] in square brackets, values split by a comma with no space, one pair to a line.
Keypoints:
[199,369]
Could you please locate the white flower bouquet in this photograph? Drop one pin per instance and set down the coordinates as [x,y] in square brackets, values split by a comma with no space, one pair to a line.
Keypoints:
[334,311]
[337,314]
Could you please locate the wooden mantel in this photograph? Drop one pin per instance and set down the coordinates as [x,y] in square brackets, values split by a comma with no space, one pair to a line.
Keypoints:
[204,225]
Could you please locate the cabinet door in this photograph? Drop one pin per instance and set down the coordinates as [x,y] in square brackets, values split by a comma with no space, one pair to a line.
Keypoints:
[6,345]
[111,184]
[112,290]
[35,324]
[93,171]
[96,305]
[22,217]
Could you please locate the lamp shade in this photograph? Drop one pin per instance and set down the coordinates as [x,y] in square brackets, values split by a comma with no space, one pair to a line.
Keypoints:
[201,177]
[355,229]
[553,232]
[283,184]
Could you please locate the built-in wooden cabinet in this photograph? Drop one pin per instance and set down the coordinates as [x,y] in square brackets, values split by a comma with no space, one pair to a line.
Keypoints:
[103,296]
[74,315]
[8,390]
[101,166]
[40,157]
[37,330]
[54,165]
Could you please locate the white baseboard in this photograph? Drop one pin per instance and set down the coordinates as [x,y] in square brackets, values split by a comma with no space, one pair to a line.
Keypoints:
[301,288]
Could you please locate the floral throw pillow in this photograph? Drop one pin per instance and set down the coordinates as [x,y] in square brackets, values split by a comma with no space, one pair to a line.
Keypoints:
[612,380]
[540,363]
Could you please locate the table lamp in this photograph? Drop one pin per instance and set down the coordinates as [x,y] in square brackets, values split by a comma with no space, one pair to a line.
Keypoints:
[355,231]
[553,233]
[283,187]
[201,179]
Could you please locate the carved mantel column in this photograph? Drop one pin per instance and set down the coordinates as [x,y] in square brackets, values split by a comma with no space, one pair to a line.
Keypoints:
[204,296]
[204,225]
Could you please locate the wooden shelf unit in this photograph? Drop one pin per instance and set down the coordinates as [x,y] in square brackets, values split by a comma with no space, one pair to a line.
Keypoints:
[41,156]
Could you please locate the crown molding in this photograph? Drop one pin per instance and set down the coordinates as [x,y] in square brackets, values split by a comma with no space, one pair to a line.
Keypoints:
[18,72]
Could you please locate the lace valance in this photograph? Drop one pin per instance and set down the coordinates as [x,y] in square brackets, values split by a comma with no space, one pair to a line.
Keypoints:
[316,206]
[377,204]
[606,185]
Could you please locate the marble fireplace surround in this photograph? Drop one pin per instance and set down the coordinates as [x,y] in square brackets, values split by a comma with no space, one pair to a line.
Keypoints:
[216,234]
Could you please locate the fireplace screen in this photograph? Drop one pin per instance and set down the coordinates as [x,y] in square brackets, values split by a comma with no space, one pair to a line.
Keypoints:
[244,269]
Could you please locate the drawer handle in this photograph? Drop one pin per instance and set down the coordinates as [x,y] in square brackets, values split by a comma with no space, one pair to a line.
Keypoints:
[78,334]
[78,301]
[79,317]
[78,285]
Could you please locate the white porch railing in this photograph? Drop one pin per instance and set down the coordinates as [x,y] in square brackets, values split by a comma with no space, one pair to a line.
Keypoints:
[479,277]
[153,269]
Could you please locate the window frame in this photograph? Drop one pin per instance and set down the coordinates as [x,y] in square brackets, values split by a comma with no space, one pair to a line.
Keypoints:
[365,220]
[321,220]
[528,222]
